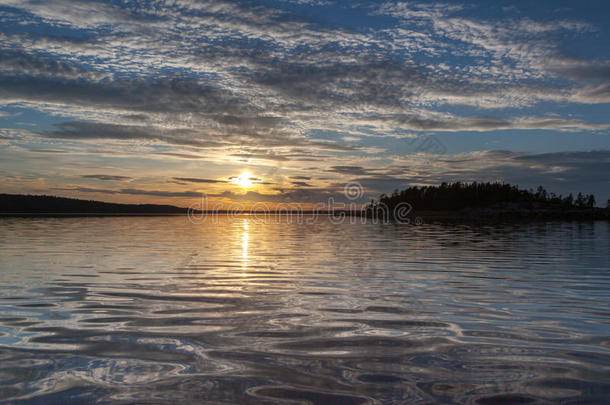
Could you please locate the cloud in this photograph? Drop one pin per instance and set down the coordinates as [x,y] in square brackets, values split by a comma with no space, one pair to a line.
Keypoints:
[178,155]
[92,130]
[301,184]
[131,191]
[160,193]
[20,64]
[335,69]
[277,87]
[188,136]
[77,13]
[353,170]
[452,123]
[262,156]
[197,180]
[270,95]
[596,70]
[175,94]
[106,177]
[46,150]
[593,94]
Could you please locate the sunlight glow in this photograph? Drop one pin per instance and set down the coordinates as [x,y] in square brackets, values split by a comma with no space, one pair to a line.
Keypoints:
[244,180]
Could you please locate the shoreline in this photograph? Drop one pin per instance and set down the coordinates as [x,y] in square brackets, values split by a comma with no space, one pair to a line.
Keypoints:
[467,216]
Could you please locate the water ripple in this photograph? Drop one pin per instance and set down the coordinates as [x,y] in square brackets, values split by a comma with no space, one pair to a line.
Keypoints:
[159,310]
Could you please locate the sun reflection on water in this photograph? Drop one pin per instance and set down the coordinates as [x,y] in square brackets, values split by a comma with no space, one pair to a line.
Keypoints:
[245,238]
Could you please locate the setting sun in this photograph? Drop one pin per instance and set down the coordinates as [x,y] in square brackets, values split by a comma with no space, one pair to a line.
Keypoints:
[244,180]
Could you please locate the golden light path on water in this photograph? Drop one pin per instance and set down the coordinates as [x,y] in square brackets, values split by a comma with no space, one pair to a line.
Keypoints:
[245,238]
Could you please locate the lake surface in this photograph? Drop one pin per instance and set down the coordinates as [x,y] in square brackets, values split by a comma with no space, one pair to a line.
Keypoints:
[232,310]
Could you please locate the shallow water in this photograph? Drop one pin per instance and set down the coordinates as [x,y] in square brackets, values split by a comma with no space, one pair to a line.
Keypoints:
[157,309]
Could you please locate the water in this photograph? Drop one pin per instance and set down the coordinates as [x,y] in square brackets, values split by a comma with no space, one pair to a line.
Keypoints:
[156,309]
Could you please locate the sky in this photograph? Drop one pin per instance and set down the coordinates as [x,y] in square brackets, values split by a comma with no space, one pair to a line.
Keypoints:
[296,101]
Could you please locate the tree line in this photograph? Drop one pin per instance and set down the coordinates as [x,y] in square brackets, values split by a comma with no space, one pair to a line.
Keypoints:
[459,195]
[45,204]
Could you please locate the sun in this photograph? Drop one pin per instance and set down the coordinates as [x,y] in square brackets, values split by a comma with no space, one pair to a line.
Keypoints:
[244,180]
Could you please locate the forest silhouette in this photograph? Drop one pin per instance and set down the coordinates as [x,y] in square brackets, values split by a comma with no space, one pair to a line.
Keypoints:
[460,196]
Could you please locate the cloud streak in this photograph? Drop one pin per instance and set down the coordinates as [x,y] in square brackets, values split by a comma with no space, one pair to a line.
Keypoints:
[106,177]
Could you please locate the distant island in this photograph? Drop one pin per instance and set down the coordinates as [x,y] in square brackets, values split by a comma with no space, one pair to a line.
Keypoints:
[18,204]
[489,201]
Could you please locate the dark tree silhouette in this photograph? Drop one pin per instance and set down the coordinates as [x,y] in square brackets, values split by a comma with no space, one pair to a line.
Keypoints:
[457,196]
[44,204]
